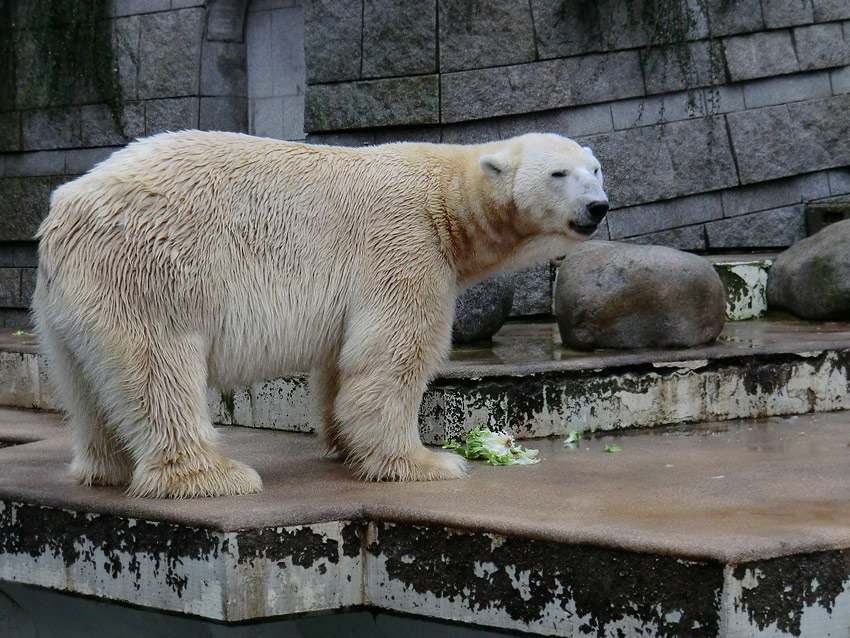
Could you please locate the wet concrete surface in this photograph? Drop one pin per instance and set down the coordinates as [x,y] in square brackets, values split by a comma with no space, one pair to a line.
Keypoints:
[734,492]
[533,348]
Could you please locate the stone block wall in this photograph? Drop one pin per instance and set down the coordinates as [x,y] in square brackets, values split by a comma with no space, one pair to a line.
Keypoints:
[173,74]
[717,157]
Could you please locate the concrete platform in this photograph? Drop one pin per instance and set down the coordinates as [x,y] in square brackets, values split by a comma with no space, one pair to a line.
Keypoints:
[733,529]
[527,383]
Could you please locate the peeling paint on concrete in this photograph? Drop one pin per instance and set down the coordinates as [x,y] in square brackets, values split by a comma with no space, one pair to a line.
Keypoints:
[279,404]
[539,586]
[546,403]
[745,284]
[639,396]
[804,595]
[221,575]
[23,381]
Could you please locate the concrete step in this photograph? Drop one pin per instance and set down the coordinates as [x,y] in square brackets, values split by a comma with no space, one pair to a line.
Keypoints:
[528,384]
[727,529]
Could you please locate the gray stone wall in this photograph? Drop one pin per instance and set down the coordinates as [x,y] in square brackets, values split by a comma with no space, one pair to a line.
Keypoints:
[175,72]
[720,157]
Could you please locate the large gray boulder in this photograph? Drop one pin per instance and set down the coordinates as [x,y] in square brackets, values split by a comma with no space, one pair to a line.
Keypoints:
[613,295]
[482,309]
[812,278]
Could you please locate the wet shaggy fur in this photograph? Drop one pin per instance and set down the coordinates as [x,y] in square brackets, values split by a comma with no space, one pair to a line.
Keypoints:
[193,258]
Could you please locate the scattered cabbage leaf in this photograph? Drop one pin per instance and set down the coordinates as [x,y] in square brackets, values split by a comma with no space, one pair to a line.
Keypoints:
[497,448]
[573,440]
[612,448]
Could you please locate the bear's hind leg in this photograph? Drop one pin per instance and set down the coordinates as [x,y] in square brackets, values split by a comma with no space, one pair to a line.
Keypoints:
[97,457]
[160,393]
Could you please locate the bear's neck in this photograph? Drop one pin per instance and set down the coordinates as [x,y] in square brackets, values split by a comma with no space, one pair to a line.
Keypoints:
[480,230]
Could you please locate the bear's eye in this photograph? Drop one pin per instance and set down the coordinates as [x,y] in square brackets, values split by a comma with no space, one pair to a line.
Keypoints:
[596,171]
[559,173]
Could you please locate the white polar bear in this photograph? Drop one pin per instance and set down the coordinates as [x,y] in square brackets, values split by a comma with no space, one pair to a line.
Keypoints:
[194,257]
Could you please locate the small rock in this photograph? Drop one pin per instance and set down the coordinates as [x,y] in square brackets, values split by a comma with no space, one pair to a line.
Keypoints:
[812,278]
[482,309]
[614,295]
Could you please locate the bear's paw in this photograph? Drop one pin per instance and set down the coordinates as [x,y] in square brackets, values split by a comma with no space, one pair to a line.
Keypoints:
[419,465]
[215,475]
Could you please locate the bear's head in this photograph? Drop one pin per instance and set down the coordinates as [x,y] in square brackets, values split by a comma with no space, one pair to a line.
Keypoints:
[554,182]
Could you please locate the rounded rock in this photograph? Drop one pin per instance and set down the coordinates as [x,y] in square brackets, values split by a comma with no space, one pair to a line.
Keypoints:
[482,309]
[614,295]
[812,278]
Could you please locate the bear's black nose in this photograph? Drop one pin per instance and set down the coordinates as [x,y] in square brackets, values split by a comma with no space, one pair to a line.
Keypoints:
[597,210]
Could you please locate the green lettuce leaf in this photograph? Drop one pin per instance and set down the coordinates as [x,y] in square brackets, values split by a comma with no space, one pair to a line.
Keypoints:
[497,448]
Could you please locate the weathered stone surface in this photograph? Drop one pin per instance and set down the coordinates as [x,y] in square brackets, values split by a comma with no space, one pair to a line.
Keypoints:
[818,131]
[538,86]
[658,216]
[495,33]
[626,154]
[700,155]
[577,120]
[25,254]
[78,161]
[533,291]
[171,115]
[399,38]
[170,53]
[775,228]
[786,88]
[38,163]
[28,277]
[825,10]
[735,16]
[812,277]
[33,86]
[759,55]
[839,181]
[612,295]
[645,111]
[223,69]
[840,77]
[774,194]
[10,131]
[482,309]
[97,128]
[126,34]
[477,132]
[50,129]
[332,40]
[10,287]
[821,45]
[684,238]
[396,101]
[565,29]
[782,13]
[668,69]
[24,202]
[224,114]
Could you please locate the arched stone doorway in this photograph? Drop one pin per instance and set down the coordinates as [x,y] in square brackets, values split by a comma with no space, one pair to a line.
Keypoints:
[274,37]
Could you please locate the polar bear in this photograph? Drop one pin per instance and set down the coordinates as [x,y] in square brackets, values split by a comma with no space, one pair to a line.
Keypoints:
[205,257]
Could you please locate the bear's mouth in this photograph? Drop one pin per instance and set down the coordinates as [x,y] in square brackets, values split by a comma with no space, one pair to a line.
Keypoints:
[583,229]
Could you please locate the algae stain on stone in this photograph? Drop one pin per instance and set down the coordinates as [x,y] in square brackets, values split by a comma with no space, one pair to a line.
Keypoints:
[228,402]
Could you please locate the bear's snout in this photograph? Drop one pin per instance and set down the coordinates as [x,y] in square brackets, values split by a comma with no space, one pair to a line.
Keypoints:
[597,211]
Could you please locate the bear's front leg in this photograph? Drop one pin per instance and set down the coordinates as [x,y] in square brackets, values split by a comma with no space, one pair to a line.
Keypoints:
[388,356]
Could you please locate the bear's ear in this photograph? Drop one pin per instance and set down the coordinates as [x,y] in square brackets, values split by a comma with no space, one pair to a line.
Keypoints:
[494,164]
